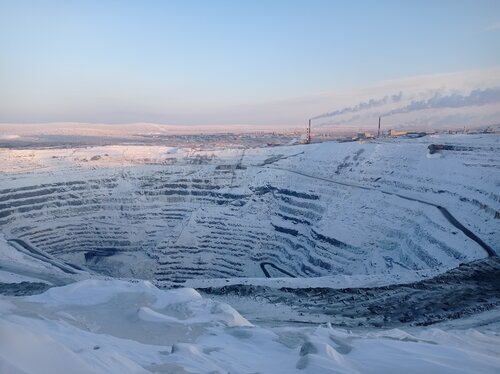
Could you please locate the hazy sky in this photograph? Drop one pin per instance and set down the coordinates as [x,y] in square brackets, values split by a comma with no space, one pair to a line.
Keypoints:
[223,62]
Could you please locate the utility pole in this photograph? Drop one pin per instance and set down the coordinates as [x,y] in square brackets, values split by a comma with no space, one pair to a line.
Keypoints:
[378,134]
[308,138]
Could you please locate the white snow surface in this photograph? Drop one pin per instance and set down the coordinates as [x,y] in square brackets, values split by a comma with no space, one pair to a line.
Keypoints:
[114,326]
[151,204]
[328,212]
[18,266]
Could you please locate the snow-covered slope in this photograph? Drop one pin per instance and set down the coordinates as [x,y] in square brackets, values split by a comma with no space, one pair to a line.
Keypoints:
[23,272]
[133,327]
[329,209]
[301,240]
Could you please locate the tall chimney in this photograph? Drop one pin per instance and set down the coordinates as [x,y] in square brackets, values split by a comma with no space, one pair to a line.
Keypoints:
[308,139]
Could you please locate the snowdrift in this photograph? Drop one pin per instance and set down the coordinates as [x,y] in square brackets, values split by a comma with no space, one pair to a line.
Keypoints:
[96,326]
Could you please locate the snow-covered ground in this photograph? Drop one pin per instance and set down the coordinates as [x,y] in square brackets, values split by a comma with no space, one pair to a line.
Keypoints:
[114,326]
[357,234]
[321,210]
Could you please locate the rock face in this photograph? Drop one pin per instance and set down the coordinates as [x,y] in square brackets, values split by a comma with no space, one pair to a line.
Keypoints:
[302,211]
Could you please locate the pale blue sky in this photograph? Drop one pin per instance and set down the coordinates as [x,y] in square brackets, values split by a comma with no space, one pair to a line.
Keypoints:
[185,62]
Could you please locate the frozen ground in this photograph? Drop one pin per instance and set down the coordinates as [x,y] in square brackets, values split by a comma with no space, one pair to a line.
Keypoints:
[379,212]
[132,327]
[336,254]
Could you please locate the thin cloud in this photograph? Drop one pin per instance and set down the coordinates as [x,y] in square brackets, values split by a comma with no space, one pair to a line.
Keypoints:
[493,27]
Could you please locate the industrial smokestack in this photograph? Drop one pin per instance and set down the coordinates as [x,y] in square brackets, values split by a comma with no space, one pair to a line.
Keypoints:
[378,134]
[308,138]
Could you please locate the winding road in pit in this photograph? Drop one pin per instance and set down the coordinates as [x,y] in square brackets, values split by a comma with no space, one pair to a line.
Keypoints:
[266,272]
[445,212]
[41,255]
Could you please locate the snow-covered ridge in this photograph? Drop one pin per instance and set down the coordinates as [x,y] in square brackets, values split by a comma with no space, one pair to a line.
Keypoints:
[132,327]
[169,214]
